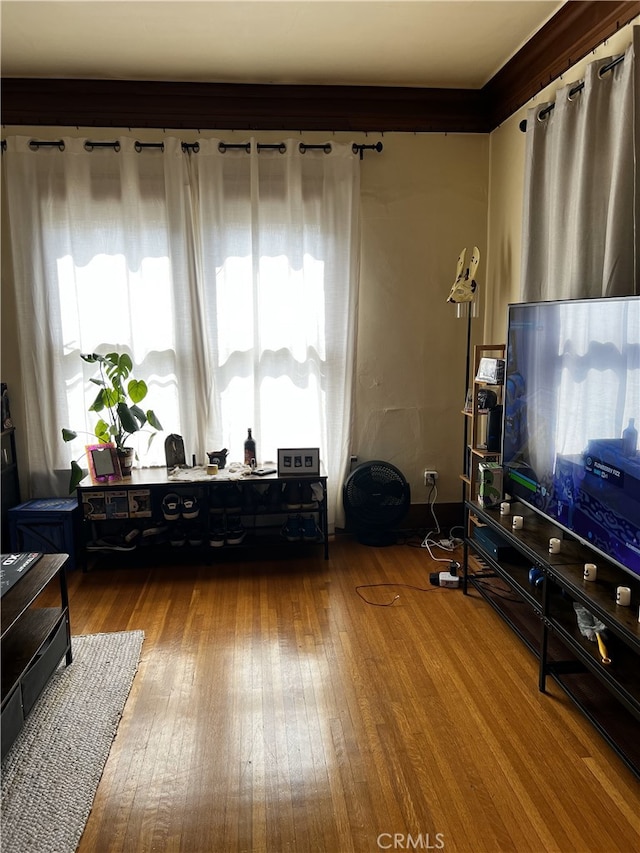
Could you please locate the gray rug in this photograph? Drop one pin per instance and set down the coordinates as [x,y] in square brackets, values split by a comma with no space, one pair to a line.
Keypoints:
[51,773]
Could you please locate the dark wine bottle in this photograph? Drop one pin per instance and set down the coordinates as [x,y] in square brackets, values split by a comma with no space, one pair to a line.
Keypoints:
[250,450]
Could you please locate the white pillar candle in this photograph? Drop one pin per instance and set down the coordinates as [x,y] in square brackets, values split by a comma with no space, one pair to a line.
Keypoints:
[554,545]
[623,596]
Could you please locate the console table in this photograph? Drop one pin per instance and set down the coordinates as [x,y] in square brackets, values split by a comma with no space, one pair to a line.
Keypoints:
[542,614]
[141,512]
[34,640]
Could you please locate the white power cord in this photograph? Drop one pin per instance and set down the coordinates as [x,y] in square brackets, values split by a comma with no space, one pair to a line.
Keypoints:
[429,542]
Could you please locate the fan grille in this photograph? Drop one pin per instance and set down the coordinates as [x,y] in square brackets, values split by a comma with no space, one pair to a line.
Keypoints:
[376,494]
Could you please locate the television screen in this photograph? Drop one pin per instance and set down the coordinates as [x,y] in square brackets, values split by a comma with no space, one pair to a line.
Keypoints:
[571,419]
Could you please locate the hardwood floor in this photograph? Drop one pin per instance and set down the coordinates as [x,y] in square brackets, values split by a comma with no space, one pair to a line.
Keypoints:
[275,710]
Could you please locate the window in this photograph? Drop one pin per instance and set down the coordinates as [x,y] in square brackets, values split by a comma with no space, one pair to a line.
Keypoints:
[230,278]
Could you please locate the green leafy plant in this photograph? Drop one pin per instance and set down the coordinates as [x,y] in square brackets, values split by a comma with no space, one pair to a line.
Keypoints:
[117,404]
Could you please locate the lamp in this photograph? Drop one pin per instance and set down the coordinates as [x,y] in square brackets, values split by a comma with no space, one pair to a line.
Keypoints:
[463,295]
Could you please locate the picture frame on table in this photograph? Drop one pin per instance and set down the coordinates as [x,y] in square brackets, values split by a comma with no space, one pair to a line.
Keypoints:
[298,461]
[104,465]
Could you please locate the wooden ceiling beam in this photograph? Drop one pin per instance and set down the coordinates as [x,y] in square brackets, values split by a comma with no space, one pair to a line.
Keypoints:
[115,103]
[576,29]
[571,34]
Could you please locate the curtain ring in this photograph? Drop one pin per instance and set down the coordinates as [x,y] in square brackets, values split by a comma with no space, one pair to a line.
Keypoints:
[140,146]
[327,148]
[575,91]
[35,145]
[222,148]
[91,146]
[543,113]
[282,148]
[610,65]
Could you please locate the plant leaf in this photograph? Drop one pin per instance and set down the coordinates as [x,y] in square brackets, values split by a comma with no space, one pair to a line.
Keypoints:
[77,474]
[129,423]
[102,431]
[138,413]
[111,397]
[68,434]
[137,390]
[120,364]
[99,402]
[153,420]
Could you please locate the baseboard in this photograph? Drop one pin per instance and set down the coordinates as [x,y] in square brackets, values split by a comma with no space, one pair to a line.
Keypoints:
[447,515]
[420,517]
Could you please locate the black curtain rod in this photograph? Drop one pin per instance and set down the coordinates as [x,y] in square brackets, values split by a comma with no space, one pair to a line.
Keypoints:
[90,145]
[577,88]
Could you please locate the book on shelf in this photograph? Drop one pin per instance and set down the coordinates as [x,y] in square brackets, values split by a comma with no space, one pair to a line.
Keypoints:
[15,566]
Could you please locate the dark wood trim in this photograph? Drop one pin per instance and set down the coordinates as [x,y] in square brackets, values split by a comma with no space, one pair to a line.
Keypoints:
[568,37]
[116,103]
[575,30]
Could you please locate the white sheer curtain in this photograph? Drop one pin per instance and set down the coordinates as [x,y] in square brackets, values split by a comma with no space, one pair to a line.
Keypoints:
[582,196]
[230,277]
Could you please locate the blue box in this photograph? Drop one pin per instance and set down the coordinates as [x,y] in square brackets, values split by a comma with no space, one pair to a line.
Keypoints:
[46,525]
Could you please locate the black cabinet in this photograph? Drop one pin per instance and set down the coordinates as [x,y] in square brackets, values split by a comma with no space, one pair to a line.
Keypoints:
[10,485]
[190,513]
[34,640]
[540,595]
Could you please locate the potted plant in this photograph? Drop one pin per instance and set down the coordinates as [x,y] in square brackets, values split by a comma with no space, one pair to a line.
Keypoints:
[117,402]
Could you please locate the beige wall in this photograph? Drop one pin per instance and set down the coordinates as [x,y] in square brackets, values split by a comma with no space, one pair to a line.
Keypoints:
[423,199]
[422,203]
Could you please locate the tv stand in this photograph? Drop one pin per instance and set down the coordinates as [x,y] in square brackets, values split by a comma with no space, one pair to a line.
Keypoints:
[543,616]
[34,640]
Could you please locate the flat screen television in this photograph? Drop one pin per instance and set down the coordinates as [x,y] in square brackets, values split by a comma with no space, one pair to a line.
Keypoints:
[571,419]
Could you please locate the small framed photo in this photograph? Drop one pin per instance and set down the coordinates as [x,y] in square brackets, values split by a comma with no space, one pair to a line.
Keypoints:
[104,465]
[298,462]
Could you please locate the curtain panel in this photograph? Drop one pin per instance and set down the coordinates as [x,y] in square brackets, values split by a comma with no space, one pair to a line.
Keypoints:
[581,193]
[231,279]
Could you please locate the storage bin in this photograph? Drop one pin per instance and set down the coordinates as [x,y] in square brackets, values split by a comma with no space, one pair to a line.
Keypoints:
[12,719]
[46,525]
[45,663]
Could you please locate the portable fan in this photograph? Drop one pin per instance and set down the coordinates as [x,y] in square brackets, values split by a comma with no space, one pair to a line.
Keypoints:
[376,497]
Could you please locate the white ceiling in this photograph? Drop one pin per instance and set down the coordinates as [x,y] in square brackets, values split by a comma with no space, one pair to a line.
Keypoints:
[450,43]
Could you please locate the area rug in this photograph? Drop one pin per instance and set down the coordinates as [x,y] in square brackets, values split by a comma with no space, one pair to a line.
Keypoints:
[51,773]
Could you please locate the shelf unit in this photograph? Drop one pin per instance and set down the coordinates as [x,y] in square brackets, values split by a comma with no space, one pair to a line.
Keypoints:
[34,641]
[10,484]
[475,432]
[131,510]
[543,617]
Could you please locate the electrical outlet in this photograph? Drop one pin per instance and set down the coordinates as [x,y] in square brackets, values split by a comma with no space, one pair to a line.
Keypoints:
[430,477]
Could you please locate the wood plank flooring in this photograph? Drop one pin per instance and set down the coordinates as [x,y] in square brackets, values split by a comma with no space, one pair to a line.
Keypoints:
[275,710]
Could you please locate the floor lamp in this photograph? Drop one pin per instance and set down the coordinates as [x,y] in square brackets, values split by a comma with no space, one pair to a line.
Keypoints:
[463,294]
